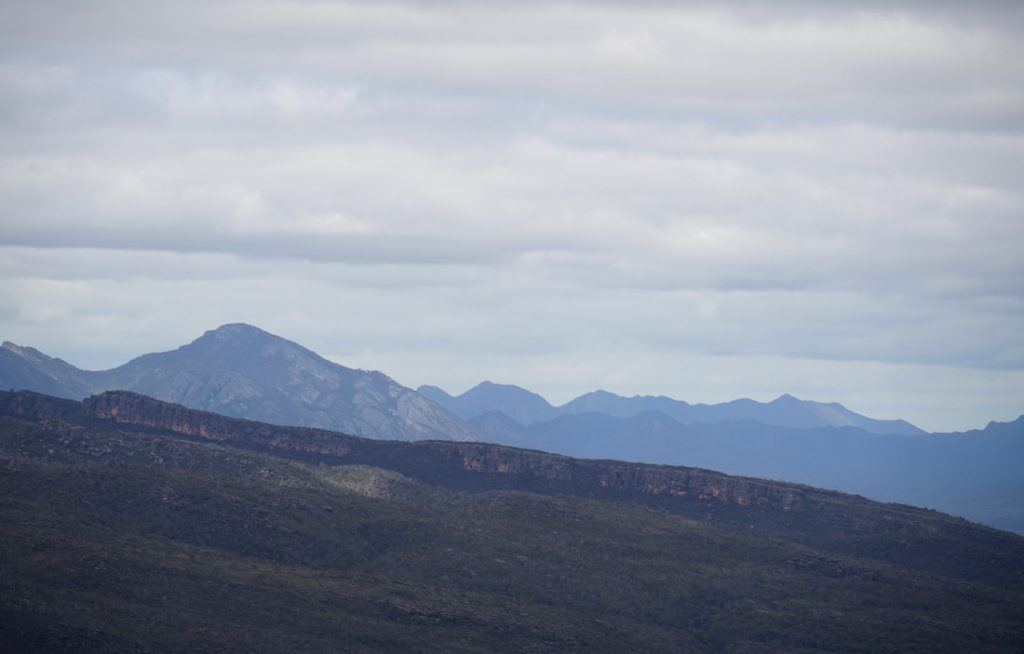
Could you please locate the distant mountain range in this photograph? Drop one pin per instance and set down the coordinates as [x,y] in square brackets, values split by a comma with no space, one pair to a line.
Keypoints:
[239,370]
[528,408]
[242,371]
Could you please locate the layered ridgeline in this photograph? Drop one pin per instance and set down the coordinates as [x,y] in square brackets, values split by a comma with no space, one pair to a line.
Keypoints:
[135,525]
[975,474]
[243,371]
[528,408]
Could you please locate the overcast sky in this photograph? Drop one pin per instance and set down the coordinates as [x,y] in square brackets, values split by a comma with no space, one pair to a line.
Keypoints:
[646,197]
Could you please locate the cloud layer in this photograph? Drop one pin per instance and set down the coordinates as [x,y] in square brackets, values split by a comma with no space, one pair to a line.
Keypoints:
[652,197]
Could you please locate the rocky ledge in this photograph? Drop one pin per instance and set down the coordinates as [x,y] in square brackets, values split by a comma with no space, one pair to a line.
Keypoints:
[481,465]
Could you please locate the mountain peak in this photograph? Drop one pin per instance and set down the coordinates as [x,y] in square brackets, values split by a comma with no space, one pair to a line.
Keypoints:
[236,330]
[246,340]
[484,385]
[522,406]
[26,352]
[490,386]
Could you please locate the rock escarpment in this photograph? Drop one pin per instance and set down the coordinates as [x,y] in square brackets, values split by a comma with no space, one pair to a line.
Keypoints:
[138,410]
[618,477]
[477,465]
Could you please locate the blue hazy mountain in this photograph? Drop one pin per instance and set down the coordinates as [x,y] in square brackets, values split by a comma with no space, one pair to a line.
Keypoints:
[528,408]
[517,403]
[28,368]
[975,474]
[242,371]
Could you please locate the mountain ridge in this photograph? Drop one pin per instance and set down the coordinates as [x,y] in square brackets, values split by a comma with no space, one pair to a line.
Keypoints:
[244,371]
[152,373]
[784,411]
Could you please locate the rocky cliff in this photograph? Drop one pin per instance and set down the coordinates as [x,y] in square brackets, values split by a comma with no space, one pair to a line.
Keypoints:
[466,464]
[610,477]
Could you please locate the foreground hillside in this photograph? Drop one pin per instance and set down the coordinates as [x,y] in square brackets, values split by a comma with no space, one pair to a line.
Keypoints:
[134,525]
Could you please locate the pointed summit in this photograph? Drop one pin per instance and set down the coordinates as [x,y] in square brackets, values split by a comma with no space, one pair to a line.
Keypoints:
[523,406]
[238,334]
[236,330]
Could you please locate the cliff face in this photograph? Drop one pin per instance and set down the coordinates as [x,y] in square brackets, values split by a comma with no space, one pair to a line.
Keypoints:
[623,478]
[138,410]
[39,407]
[508,466]
[702,485]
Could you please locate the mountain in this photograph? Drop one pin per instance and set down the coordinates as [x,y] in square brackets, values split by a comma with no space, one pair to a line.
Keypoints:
[137,525]
[28,368]
[973,474]
[606,403]
[528,408]
[243,371]
[788,411]
[517,403]
[650,437]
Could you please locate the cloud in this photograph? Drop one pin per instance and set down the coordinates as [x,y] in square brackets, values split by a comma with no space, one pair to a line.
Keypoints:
[904,65]
[528,185]
[803,209]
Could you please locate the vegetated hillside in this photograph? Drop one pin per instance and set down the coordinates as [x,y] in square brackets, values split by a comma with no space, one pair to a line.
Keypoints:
[135,525]
[974,474]
[528,409]
[243,371]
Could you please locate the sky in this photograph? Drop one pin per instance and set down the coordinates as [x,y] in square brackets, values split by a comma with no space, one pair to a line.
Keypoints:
[700,200]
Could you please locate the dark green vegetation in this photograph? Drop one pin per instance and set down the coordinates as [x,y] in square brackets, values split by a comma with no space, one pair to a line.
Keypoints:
[132,525]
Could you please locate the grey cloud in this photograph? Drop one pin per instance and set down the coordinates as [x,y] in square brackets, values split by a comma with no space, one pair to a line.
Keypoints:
[470,308]
[722,211]
[578,189]
[910,66]
[371,250]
